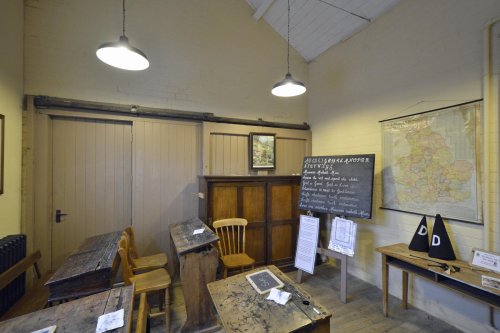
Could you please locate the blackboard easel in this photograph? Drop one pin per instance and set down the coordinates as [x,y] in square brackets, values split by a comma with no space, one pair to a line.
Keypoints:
[337,185]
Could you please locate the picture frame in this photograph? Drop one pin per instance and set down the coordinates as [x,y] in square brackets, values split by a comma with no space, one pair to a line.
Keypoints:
[2,146]
[262,148]
[485,260]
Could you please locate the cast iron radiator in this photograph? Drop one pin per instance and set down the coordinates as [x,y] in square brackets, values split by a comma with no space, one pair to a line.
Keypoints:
[12,250]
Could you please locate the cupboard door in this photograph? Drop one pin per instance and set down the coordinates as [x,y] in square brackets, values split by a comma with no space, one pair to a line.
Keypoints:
[253,203]
[224,202]
[283,223]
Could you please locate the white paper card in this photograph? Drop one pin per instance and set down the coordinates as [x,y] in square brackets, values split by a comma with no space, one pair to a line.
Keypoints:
[490,282]
[486,260]
[110,321]
[198,231]
[279,296]
[50,329]
[307,243]
[343,236]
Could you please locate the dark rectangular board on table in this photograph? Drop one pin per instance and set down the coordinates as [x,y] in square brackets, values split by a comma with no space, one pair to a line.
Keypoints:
[340,185]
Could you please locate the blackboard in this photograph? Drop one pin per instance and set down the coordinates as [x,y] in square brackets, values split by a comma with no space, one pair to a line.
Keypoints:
[264,280]
[340,185]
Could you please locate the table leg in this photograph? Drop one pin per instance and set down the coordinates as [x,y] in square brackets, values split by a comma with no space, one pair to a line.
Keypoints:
[404,303]
[385,286]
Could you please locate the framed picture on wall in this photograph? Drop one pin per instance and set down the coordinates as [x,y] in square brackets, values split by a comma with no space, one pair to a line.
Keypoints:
[2,139]
[262,151]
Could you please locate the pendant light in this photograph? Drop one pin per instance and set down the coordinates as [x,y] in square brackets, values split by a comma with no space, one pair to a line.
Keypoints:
[288,87]
[121,54]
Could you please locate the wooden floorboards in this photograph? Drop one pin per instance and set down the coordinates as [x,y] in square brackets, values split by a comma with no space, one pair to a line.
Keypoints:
[361,314]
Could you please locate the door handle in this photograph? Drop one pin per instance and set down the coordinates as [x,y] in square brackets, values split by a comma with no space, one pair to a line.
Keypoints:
[59,214]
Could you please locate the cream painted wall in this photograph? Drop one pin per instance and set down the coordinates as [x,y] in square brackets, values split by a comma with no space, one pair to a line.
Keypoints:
[208,56]
[11,94]
[420,56]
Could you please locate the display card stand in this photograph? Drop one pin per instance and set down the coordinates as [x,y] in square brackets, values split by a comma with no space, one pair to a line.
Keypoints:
[198,260]
[325,252]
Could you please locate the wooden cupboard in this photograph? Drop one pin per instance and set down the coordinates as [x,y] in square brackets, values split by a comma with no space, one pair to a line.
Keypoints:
[269,203]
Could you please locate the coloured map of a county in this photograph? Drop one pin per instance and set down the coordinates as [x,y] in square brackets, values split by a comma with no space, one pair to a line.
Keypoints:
[430,163]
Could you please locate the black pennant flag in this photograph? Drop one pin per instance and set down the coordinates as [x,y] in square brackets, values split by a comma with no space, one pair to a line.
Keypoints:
[440,242]
[420,240]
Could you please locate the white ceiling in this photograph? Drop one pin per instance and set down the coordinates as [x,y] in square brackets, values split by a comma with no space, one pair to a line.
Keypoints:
[317,25]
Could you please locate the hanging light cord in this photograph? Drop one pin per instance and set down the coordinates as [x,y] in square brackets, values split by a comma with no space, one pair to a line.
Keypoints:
[123,6]
[288,40]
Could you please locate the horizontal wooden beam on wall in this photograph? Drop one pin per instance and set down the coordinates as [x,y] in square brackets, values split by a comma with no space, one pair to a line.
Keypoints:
[47,102]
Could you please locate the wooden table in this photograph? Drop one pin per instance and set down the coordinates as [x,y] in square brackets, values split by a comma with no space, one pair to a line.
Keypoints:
[242,309]
[76,316]
[198,260]
[88,270]
[467,281]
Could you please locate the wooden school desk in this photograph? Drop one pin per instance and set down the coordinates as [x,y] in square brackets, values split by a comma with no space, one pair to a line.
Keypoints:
[77,316]
[88,270]
[467,281]
[198,260]
[242,309]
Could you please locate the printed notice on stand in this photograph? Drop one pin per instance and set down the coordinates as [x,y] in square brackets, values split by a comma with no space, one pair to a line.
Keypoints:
[307,243]
[343,236]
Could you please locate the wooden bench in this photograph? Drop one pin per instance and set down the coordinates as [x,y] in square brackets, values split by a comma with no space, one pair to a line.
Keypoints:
[35,298]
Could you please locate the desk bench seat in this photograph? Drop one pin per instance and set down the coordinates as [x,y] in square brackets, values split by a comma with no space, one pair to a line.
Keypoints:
[35,298]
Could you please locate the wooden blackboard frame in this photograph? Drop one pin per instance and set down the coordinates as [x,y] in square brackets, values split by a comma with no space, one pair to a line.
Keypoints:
[334,185]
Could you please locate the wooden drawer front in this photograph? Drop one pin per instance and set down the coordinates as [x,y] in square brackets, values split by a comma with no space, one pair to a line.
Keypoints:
[254,203]
[256,243]
[282,243]
[281,202]
[225,202]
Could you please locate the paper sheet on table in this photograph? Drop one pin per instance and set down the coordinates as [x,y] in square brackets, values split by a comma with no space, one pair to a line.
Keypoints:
[110,321]
[198,231]
[280,297]
[50,329]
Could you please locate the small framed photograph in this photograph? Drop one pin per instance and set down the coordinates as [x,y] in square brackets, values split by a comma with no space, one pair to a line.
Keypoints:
[263,281]
[485,260]
[262,150]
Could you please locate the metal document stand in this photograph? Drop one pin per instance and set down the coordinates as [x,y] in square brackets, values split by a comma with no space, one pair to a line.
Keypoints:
[332,254]
[198,260]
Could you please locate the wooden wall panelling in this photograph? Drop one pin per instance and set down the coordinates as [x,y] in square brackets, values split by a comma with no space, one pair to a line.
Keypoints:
[166,165]
[228,154]
[290,154]
[225,149]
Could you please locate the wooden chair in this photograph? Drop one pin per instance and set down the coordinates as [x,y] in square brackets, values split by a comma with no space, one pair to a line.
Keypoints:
[232,243]
[157,280]
[143,263]
[142,324]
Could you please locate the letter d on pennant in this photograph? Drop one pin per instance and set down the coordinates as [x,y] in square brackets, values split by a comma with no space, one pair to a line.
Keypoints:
[436,240]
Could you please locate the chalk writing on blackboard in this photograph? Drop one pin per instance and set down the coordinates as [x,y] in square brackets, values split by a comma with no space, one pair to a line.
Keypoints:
[341,185]
[264,280]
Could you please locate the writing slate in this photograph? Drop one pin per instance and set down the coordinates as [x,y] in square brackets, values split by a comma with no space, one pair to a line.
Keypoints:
[263,281]
[340,185]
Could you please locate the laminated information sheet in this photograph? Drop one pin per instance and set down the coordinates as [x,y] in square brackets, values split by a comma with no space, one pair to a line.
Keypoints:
[343,236]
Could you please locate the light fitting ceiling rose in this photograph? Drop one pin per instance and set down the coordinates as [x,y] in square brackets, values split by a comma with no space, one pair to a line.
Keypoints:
[288,87]
[121,54]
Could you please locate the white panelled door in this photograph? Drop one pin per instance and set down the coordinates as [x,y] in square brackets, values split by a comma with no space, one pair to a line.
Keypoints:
[91,181]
